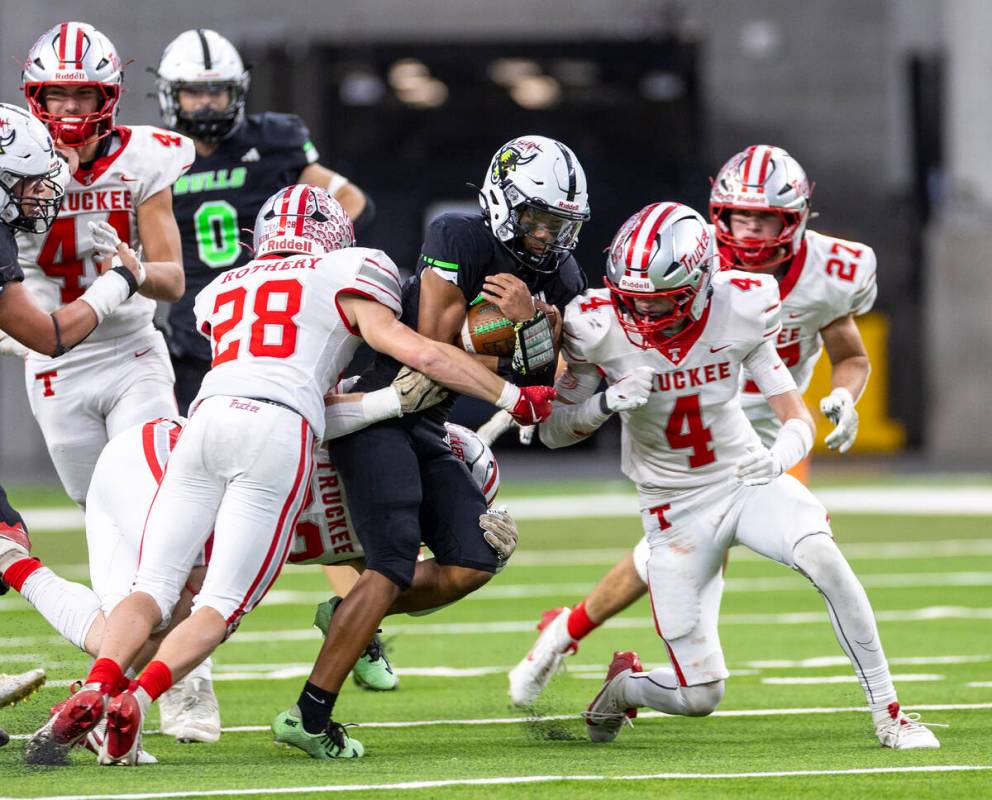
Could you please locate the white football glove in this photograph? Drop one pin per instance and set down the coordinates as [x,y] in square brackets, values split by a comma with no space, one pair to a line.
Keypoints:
[631,391]
[758,467]
[499,423]
[500,532]
[838,407]
[105,239]
[416,391]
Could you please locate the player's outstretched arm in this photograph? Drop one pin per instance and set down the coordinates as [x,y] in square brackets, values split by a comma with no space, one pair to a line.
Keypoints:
[849,373]
[161,247]
[53,334]
[443,363]
[580,409]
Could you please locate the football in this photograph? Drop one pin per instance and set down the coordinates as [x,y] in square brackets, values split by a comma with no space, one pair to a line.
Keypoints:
[487,331]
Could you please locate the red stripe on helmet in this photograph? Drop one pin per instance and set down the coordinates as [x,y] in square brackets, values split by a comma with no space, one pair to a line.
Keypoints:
[763,174]
[63,35]
[746,166]
[284,211]
[646,251]
[628,256]
[79,48]
[301,210]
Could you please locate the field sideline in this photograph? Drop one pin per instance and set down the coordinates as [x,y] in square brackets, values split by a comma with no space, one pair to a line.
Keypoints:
[790,724]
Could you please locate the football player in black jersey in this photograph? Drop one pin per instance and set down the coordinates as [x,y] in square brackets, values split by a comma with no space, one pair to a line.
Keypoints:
[32,185]
[403,484]
[240,161]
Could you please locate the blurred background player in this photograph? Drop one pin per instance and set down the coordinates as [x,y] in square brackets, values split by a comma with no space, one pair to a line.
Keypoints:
[704,479]
[283,328]
[759,208]
[517,254]
[120,192]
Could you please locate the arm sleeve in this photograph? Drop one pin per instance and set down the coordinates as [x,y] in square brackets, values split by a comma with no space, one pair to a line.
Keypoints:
[768,371]
[578,412]
[342,419]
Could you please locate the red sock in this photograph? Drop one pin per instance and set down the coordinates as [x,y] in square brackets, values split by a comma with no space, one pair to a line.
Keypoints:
[156,678]
[18,572]
[108,674]
[579,624]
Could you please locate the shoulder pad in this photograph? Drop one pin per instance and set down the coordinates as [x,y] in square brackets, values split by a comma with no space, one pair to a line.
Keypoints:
[753,300]
[588,319]
[281,130]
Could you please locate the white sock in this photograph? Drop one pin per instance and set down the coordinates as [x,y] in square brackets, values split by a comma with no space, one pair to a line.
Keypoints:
[819,559]
[69,607]
[202,671]
[659,689]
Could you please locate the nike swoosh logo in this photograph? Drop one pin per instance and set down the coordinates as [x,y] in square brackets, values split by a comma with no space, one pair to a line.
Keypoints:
[144,352]
[793,315]
[129,180]
[718,349]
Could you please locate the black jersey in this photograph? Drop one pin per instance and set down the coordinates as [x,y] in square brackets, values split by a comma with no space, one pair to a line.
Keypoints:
[216,202]
[462,249]
[10,270]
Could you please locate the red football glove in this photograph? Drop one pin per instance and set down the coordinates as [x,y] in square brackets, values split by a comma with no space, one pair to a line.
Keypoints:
[528,405]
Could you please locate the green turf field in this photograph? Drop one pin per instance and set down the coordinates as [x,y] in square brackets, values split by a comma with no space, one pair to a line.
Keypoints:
[450,731]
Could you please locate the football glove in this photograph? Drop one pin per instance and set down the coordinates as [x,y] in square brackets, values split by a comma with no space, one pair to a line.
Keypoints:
[527,405]
[534,347]
[500,532]
[758,467]
[838,407]
[106,243]
[631,391]
[416,391]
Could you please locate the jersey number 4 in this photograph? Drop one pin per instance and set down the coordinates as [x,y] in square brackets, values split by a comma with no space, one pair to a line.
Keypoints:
[58,257]
[685,430]
[275,319]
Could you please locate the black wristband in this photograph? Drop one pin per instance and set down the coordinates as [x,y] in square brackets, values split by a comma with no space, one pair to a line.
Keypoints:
[60,349]
[602,404]
[132,282]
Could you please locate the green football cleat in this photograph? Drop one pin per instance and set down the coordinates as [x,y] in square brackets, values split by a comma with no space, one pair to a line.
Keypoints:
[372,670]
[333,742]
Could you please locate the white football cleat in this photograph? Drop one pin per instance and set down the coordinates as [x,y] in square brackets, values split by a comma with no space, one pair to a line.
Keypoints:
[608,711]
[190,711]
[902,731]
[531,676]
[14,688]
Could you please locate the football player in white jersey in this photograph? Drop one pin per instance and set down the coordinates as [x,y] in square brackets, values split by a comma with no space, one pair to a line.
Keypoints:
[671,338]
[120,191]
[282,328]
[759,207]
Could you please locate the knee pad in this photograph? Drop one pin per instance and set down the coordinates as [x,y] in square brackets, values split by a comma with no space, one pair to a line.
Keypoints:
[817,557]
[702,700]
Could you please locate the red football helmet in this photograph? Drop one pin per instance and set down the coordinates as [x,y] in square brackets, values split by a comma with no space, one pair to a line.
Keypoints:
[761,178]
[74,54]
[664,252]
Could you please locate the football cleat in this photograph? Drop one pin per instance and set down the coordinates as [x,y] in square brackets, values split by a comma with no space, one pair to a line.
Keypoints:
[531,676]
[190,711]
[902,731]
[70,722]
[14,688]
[332,742]
[14,545]
[122,741]
[608,711]
[94,742]
[372,670]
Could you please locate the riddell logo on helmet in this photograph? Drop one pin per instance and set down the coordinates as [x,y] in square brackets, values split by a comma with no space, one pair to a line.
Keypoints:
[636,284]
[568,206]
[284,245]
[78,75]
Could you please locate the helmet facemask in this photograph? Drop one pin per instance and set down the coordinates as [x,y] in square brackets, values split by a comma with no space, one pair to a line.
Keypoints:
[541,237]
[206,123]
[31,203]
[758,254]
[76,130]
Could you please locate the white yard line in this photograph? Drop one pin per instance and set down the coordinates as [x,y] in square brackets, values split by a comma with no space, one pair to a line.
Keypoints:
[511,780]
[910,500]
[842,661]
[908,677]
[741,712]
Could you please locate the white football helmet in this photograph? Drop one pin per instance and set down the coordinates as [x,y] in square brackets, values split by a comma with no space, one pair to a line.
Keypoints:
[32,176]
[761,178]
[77,54]
[664,252]
[478,457]
[202,59]
[535,182]
[302,219]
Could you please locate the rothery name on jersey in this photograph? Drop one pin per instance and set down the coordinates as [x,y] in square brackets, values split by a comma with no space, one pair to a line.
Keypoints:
[296,262]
